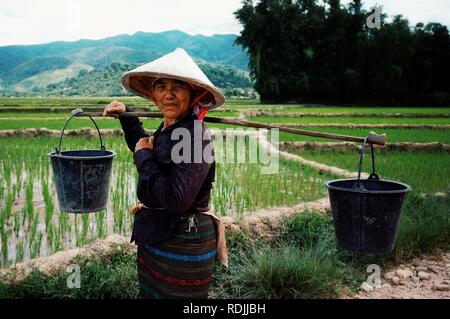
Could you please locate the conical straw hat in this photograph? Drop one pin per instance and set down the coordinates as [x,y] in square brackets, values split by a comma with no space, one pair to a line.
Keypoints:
[175,65]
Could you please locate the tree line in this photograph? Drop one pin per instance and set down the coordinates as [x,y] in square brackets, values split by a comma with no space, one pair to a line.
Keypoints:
[325,52]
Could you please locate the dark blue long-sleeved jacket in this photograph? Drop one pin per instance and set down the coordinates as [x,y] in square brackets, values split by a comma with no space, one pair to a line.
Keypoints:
[171,190]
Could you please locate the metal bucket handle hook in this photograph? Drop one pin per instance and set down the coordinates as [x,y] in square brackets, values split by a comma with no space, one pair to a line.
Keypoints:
[373,175]
[74,113]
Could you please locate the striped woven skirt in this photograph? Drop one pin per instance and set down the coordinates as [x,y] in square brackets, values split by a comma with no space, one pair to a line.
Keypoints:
[181,266]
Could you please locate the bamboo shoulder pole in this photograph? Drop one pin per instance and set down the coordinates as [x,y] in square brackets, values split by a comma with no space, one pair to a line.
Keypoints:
[373,138]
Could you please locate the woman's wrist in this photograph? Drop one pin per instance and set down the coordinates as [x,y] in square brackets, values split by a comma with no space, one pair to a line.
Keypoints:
[138,148]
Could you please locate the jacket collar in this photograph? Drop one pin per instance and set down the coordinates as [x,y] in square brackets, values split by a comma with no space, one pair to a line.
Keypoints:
[183,122]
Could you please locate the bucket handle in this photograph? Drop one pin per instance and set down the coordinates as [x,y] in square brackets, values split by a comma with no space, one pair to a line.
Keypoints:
[74,113]
[373,175]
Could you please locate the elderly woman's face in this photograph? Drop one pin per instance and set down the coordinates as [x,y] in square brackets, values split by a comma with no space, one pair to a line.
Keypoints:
[173,97]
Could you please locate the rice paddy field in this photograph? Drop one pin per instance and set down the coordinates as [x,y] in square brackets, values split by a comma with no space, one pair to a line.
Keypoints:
[31,224]
[426,172]
[393,135]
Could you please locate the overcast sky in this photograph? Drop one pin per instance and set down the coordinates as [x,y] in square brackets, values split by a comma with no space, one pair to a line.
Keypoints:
[42,21]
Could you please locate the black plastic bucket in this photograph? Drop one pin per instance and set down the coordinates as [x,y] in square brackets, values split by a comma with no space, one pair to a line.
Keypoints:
[366,212]
[82,177]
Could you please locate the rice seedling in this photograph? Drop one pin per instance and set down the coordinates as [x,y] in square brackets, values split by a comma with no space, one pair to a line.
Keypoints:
[117,205]
[7,171]
[85,228]
[17,223]
[34,236]
[36,245]
[50,235]
[2,190]
[5,213]
[63,225]
[4,244]
[78,238]
[29,202]
[48,204]
[100,224]
[20,251]
[56,238]
[19,178]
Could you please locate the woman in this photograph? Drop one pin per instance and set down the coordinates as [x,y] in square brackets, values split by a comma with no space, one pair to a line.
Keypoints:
[177,237]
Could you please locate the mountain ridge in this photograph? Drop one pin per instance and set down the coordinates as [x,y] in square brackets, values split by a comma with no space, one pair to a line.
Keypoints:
[21,64]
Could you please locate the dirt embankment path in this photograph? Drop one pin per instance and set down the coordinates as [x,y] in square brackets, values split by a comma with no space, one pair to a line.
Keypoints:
[50,264]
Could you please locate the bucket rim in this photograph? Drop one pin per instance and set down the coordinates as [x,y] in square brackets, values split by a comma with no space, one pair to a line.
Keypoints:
[407,187]
[82,158]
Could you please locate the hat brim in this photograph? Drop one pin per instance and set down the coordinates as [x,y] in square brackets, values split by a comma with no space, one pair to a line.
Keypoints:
[141,84]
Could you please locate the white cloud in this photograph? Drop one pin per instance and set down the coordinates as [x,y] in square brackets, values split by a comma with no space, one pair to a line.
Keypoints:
[40,21]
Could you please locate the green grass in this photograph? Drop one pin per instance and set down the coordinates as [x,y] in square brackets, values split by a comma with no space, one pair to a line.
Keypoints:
[426,172]
[303,261]
[109,276]
[393,135]
[287,272]
[424,227]
[348,120]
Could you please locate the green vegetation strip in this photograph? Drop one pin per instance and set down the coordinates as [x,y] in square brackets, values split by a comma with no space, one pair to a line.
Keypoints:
[64,113]
[376,111]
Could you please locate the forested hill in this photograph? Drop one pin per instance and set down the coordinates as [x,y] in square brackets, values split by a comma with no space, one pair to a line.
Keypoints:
[85,66]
